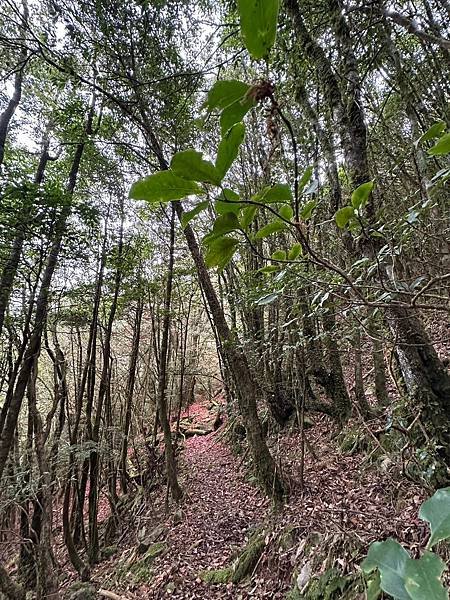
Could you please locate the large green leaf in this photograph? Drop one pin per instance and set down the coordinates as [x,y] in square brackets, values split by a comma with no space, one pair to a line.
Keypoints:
[162,187]
[390,558]
[270,228]
[258,20]
[229,148]
[441,147]
[361,194]
[436,510]
[295,251]
[190,165]
[280,192]
[220,252]
[190,214]
[223,224]
[435,131]
[234,113]
[423,578]
[228,201]
[223,93]
[344,215]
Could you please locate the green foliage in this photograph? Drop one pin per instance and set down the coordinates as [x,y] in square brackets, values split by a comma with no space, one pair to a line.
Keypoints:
[234,113]
[280,192]
[344,216]
[361,195]
[189,164]
[441,147]
[258,20]
[228,201]
[404,578]
[226,92]
[229,148]
[163,187]
[433,132]
[436,511]
[270,228]
[307,210]
[220,251]
[191,214]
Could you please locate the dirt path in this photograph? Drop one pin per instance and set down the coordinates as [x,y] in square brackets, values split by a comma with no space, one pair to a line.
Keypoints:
[220,509]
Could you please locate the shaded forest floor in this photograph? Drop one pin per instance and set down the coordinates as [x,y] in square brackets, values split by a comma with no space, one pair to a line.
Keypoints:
[346,504]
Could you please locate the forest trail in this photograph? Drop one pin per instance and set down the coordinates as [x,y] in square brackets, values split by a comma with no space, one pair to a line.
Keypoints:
[345,505]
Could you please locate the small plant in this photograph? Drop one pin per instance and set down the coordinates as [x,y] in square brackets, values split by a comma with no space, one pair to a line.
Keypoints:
[404,578]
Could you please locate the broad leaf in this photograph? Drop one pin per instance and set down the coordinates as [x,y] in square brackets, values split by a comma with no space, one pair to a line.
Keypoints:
[390,558]
[162,187]
[307,210]
[279,255]
[344,215]
[361,194]
[220,252]
[222,225]
[228,201]
[269,229]
[295,251]
[436,510]
[280,192]
[190,165]
[441,147]
[423,578]
[234,113]
[229,148]
[435,131]
[258,20]
[248,214]
[224,93]
[190,214]
[286,212]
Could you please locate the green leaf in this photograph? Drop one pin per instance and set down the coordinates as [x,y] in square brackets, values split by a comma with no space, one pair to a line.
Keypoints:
[436,510]
[228,201]
[280,192]
[190,165]
[373,587]
[229,148]
[307,210]
[286,212]
[295,251]
[248,214]
[423,578]
[435,131]
[163,187]
[190,214]
[279,255]
[222,225]
[390,558]
[268,299]
[344,215]
[220,252]
[270,228]
[258,20]
[269,269]
[234,113]
[441,147]
[304,180]
[224,93]
[361,194]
